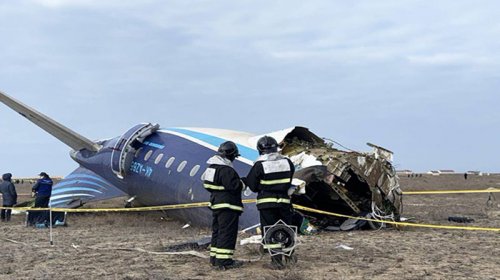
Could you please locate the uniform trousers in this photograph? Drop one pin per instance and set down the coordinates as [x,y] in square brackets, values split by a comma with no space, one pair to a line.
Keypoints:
[37,217]
[270,216]
[5,213]
[224,234]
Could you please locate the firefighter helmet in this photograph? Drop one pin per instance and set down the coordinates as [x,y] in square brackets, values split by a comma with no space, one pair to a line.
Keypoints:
[228,150]
[266,145]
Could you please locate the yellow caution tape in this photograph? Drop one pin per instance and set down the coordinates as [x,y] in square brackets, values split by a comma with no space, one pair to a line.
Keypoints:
[205,204]
[491,190]
[135,209]
[392,222]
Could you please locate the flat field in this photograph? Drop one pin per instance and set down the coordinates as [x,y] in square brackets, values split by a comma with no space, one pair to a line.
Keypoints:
[126,245]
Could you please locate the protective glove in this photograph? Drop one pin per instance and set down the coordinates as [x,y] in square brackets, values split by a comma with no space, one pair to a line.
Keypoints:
[299,187]
[244,187]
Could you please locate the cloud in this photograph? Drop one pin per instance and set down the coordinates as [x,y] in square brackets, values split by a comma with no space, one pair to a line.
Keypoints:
[56,4]
[452,59]
[448,32]
[347,63]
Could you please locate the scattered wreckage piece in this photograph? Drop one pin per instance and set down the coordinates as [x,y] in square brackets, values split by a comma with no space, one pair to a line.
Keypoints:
[201,244]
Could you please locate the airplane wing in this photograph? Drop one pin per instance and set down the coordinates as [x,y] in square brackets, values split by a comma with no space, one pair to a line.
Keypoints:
[80,187]
[66,135]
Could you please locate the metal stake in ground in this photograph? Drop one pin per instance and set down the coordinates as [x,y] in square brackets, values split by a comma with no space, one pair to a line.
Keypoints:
[50,225]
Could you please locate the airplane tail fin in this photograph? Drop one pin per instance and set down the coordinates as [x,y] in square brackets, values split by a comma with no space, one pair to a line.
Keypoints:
[67,136]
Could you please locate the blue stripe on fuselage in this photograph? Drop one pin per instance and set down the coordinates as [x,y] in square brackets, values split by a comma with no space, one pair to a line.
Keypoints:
[78,175]
[245,152]
[70,189]
[77,181]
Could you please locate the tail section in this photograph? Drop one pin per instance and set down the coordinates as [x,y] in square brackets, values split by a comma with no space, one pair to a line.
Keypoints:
[67,136]
[80,187]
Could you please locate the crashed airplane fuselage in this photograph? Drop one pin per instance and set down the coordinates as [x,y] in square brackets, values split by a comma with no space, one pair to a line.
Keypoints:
[163,166]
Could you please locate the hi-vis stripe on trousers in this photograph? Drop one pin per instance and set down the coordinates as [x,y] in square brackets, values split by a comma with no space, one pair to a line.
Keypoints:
[224,234]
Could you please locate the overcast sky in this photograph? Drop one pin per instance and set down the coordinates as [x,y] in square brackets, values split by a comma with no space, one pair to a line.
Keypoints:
[420,78]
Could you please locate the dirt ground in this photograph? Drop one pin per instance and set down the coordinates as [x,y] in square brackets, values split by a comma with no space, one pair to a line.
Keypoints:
[107,246]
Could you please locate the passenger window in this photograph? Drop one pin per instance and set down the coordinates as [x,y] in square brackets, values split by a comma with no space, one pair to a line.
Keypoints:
[194,170]
[158,158]
[148,155]
[169,162]
[181,166]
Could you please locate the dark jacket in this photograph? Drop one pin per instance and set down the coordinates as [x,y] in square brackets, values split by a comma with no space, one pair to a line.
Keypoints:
[8,190]
[271,177]
[43,187]
[224,185]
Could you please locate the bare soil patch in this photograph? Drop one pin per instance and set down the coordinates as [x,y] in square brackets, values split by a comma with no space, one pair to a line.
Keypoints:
[102,246]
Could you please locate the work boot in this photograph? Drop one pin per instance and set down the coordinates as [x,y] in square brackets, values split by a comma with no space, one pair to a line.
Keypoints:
[290,260]
[231,265]
[276,262]
[212,261]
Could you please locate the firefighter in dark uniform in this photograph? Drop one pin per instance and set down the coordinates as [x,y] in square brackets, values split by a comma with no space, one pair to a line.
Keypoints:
[271,178]
[225,187]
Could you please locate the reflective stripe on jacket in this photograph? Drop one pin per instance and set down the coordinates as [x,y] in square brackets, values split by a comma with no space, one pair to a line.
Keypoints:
[271,177]
[273,200]
[225,205]
[224,185]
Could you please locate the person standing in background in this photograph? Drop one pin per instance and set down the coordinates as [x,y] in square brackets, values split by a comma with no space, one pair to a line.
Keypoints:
[42,191]
[9,196]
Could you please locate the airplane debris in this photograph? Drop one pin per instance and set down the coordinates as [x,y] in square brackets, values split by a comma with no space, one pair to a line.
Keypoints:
[199,244]
[250,228]
[190,252]
[460,219]
[344,182]
[254,239]
[351,224]
[345,247]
